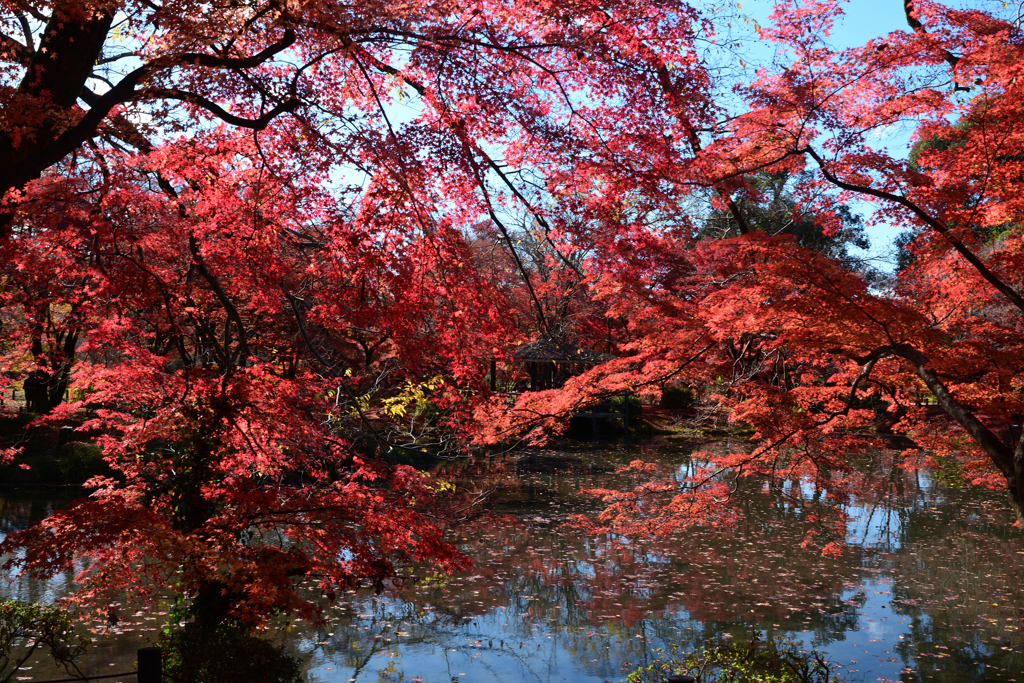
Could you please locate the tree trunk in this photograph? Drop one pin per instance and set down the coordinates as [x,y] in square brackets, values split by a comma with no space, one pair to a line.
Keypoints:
[212,604]
[54,77]
[44,391]
[1009,461]
[1015,482]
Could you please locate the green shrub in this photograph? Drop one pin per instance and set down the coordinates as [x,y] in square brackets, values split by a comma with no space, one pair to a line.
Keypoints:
[776,660]
[80,461]
[676,397]
[229,654]
[24,627]
[636,408]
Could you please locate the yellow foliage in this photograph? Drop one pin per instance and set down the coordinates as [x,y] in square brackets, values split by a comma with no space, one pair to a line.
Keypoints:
[412,394]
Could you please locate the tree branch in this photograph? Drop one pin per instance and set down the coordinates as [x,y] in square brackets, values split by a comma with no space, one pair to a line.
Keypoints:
[215,62]
[225,301]
[18,52]
[918,27]
[26,30]
[381,441]
[192,98]
[47,153]
[1005,289]
[668,85]
[1000,454]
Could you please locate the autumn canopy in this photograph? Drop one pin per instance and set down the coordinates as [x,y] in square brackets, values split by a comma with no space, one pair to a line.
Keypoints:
[264,252]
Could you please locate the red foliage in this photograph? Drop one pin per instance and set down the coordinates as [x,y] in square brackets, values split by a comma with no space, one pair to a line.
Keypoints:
[791,343]
[247,244]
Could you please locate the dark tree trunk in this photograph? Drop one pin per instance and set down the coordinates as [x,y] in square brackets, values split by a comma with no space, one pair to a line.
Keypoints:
[1009,461]
[212,604]
[46,386]
[54,77]
[44,391]
[1015,482]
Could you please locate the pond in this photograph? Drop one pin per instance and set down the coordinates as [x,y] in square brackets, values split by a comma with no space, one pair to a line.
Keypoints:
[930,588]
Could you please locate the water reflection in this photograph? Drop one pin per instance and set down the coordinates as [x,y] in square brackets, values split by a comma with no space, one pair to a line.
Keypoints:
[930,589]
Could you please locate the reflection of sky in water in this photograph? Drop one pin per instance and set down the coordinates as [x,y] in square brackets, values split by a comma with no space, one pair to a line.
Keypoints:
[544,605]
[481,650]
[866,651]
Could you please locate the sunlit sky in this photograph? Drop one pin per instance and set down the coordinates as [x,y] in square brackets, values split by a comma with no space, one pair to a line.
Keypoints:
[864,20]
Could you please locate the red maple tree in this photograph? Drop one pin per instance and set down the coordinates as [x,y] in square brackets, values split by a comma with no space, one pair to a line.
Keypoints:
[792,343]
[236,231]
[229,251]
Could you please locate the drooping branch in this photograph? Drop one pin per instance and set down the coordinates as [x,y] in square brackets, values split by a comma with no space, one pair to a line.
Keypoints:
[1006,290]
[1000,454]
[676,100]
[533,212]
[541,318]
[471,148]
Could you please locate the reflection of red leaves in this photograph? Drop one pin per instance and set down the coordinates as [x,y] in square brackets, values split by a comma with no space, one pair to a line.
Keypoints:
[832,549]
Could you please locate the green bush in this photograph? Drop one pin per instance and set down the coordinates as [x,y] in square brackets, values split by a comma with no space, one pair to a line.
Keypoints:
[24,627]
[636,408]
[776,660]
[80,461]
[676,397]
[229,654]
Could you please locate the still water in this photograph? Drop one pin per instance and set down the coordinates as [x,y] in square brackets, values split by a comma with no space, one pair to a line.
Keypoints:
[929,588]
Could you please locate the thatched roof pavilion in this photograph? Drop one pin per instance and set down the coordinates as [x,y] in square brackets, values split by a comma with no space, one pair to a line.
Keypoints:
[551,363]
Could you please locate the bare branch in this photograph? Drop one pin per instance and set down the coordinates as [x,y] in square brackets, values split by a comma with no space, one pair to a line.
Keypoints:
[256,124]
[26,30]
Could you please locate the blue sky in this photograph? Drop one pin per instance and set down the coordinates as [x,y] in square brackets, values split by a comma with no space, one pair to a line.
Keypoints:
[863,20]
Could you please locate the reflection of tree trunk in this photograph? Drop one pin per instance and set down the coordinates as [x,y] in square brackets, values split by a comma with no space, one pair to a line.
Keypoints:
[902,506]
[1015,483]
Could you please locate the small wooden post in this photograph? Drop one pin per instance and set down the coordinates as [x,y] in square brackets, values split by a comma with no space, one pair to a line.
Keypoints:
[625,416]
[494,375]
[150,666]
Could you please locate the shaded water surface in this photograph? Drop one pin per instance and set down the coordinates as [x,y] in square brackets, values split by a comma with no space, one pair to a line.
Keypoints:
[930,588]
